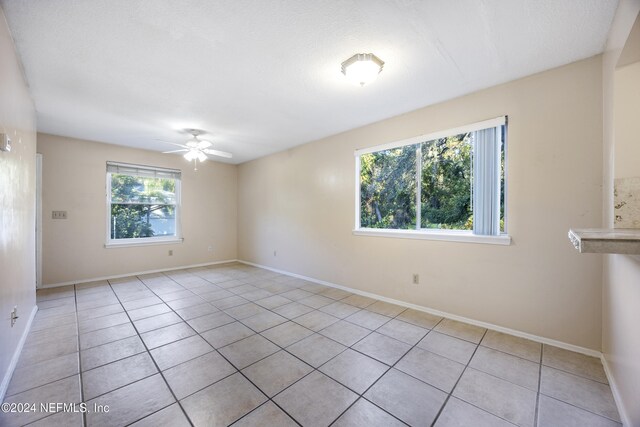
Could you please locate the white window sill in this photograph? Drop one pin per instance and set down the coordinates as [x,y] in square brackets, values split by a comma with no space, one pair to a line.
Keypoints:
[127,243]
[444,235]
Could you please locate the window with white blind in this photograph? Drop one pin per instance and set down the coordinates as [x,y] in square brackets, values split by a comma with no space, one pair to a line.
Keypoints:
[448,185]
[143,204]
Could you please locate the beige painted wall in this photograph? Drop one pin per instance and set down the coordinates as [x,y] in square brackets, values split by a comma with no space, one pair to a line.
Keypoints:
[17,202]
[621,287]
[626,121]
[74,179]
[300,203]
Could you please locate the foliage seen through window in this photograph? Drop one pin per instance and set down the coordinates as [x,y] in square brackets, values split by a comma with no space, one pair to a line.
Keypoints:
[391,199]
[142,207]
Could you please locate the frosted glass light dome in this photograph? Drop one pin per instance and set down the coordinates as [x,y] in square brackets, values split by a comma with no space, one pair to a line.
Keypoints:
[362,68]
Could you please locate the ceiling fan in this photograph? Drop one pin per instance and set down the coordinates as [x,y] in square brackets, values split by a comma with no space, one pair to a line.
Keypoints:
[196,149]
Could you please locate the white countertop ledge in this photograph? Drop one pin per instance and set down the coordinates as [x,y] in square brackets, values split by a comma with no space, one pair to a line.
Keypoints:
[606,240]
[442,235]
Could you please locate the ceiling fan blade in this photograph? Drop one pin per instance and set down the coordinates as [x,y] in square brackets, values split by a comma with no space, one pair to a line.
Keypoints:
[218,153]
[173,143]
[175,151]
[202,144]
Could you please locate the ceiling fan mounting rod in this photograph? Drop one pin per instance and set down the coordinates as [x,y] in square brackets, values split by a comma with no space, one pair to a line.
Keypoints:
[195,132]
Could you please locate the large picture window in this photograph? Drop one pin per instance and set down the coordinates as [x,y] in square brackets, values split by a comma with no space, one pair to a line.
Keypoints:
[143,204]
[446,183]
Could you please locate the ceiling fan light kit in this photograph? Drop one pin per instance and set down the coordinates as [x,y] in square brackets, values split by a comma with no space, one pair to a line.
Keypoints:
[196,149]
[194,154]
[362,68]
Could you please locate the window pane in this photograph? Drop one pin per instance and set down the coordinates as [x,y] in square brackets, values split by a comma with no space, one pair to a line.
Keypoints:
[137,189]
[503,130]
[446,183]
[129,221]
[388,188]
[143,202]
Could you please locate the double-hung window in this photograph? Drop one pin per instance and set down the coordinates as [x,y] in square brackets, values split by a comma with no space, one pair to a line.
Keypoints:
[448,185]
[143,204]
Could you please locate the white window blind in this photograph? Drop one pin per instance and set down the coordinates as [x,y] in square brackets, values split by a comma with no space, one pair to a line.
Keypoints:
[144,171]
[486,181]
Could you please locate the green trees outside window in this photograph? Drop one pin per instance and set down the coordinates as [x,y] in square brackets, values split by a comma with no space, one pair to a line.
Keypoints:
[142,207]
[427,185]
[388,188]
[446,183]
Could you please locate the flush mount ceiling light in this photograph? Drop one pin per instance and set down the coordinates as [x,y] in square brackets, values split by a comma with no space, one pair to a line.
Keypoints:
[362,68]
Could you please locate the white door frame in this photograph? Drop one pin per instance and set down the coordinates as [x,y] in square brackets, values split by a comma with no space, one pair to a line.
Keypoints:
[38,220]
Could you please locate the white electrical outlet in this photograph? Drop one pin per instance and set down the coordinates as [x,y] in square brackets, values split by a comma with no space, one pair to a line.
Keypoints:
[14,315]
[275,253]
[416,278]
[210,248]
[170,252]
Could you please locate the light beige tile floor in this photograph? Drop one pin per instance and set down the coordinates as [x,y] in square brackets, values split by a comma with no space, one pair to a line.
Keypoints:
[239,345]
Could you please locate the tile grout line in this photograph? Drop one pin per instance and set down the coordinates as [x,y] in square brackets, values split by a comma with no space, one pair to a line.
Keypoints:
[260,406]
[446,400]
[75,296]
[569,403]
[221,355]
[63,355]
[269,399]
[537,413]
[347,347]
[537,363]
[397,361]
[152,359]
[416,345]
[314,369]
[478,345]
[84,423]
[371,331]
[361,396]
[281,349]
[619,423]
[42,385]
[238,370]
[74,313]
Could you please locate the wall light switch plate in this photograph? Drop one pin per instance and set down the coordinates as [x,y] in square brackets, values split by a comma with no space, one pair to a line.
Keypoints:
[5,142]
[59,214]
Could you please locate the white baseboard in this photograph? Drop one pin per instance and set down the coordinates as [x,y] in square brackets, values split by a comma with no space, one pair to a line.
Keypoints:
[137,273]
[616,393]
[543,340]
[16,355]
[571,347]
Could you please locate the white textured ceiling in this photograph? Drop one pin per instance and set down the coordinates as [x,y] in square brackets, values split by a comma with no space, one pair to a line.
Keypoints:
[264,75]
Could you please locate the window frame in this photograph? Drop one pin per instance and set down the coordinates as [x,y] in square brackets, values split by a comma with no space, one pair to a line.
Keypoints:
[424,233]
[144,241]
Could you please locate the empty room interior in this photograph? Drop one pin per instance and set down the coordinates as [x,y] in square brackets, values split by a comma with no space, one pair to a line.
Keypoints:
[328,213]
